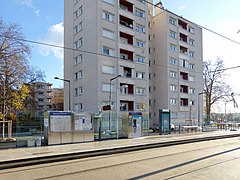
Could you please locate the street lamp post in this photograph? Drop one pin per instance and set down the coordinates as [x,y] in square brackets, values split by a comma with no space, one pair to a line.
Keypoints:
[69,97]
[110,97]
[199,107]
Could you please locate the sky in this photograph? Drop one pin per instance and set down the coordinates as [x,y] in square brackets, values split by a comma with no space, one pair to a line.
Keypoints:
[42,20]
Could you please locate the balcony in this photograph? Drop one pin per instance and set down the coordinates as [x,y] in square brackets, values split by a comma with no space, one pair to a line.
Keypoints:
[184,102]
[183,51]
[126,6]
[184,89]
[126,89]
[126,38]
[127,72]
[124,21]
[126,105]
[182,24]
[183,38]
[184,76]
[126,55]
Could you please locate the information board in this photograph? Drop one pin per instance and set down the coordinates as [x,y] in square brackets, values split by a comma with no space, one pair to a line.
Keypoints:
[83,123]
[60,121]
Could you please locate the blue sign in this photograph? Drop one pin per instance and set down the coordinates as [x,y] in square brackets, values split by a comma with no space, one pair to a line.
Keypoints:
[60,113]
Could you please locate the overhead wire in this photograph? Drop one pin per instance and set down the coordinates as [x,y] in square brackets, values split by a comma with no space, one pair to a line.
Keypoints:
[115,57]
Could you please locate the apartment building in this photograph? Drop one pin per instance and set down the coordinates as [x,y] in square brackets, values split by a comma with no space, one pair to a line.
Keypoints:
[159,58]
[39,99]
[176,67]
[110,38]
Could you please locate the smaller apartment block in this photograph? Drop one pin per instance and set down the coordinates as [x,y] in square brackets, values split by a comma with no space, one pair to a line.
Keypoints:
[40,97]
[175,67]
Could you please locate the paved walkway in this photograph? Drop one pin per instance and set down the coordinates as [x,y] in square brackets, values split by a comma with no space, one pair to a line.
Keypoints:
[35,152]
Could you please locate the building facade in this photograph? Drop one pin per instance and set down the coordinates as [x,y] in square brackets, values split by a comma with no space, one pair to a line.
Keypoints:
[110,38]
[157,54]
[39,99]
[176,67]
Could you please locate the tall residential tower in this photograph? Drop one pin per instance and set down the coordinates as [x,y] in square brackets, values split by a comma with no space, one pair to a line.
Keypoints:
[110,38]
[130,54]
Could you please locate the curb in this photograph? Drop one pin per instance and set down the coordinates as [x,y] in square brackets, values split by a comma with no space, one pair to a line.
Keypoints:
[110,151]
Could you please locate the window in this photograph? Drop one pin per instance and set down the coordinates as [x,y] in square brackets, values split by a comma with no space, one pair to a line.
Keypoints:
[173,87]
[78,12]
[108,34]
[191,66]
[40,86]
[184,63]
[191,90]
[140,91]
[78,75]
[110,1]
[40,99]
[140,75]
[41,93]
[191,78]
[140,59]
[173,47]
[78,107]
[191,42]
[140,28]
[108,51]
[191,29]
[78,91]
[107,16]
[173,74]
[172,60]
[139,13]
[78,44]
[191,54]
[173,101]
[78,59]
[173,34]
[139,44]
[172,21]
[108,69]
[78,28]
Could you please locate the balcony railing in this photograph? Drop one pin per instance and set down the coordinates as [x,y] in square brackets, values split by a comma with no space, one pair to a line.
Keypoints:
[126,24]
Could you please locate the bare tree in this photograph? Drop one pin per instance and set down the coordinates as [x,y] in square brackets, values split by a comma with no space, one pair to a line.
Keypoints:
[215,87]
[35,74]
[13,67]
